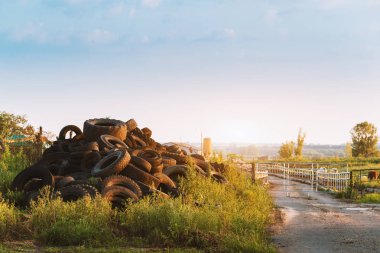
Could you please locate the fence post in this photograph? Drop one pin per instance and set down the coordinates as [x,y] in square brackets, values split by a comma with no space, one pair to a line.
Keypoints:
[351,181]
[253,172]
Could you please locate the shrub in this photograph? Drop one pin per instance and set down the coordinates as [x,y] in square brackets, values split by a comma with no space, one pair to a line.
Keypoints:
[207,215]
[9,218]
[370,198]
[10,166]
[84,222]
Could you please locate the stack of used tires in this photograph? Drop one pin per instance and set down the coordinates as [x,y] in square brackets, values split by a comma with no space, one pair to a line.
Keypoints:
[113,158]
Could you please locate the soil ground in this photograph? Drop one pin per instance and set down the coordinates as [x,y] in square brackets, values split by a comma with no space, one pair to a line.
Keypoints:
[308,221]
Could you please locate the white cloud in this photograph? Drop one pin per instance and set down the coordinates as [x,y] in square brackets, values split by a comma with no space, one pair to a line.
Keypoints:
[75,1]
[373,2]
[151,3]
[33,31]
[145,39]
[132,12]
[99,36]
[271,16]
[117,9]
[333,4]
[229,33]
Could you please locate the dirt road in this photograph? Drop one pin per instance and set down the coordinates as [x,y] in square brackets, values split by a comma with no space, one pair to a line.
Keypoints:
[320,223]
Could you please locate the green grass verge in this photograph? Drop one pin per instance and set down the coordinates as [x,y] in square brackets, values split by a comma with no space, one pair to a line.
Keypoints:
[371,198]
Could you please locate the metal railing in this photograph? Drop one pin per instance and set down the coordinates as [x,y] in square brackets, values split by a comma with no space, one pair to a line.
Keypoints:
[258,173]
[321,178]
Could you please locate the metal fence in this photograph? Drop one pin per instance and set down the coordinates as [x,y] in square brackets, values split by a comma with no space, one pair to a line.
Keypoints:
[256,174]
[318,177]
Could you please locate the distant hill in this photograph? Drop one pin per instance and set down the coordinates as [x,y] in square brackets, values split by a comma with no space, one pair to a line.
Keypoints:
[271,150]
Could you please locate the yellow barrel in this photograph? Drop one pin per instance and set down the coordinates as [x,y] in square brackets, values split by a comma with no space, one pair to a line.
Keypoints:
[207,147]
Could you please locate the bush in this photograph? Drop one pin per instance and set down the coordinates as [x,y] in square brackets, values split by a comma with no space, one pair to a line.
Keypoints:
[9,218]
[208,215]
[370,198]
[84,222]
[10,166]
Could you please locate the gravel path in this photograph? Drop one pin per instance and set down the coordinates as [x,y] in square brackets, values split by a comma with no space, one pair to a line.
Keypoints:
[320,223]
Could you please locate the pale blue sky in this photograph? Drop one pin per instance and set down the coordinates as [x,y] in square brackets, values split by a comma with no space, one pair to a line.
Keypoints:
[238,70]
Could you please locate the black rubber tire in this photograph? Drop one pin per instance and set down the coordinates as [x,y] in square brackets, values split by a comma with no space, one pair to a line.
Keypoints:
[198,156]
[63,145]
[147,132]
[136,152]
[205,166]
[180,159]
[79,176]
[200,170]
[78,156]
[84,146]
[89,161]
[66,129]
[94,128]
[174,149]
[177,171]
[141,163]
[153,157]
[72,193]
[92,191]
[157,169]
[140,143]
[152,143]
[167,161]
[63,182]
[34,172]
[119,192]
[147,190]
[139,175]
[119,180]
[137,132]
[165,180]
[131,125]
[167,185]
[111,142]
[219,177]
[32,196]
[115,162]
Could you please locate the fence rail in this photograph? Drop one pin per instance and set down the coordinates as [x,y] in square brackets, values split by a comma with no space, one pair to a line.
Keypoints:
[318,177]
[256,174]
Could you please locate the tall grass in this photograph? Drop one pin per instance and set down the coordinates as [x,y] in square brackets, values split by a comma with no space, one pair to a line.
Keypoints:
[208,215]
[84,222]
[372,198]
[9,218]
[10,166]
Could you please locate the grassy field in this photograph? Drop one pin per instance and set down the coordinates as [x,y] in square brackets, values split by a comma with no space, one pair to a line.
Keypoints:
[207,217]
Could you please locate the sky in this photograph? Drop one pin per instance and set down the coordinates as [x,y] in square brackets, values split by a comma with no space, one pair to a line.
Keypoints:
[235,70]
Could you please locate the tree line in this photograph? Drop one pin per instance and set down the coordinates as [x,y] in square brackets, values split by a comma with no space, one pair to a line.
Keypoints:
[364,140]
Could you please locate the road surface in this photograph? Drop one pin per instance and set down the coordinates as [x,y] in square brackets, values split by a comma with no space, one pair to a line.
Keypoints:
[320,223]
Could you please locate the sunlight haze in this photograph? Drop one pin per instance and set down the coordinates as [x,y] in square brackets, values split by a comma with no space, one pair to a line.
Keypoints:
[236,71]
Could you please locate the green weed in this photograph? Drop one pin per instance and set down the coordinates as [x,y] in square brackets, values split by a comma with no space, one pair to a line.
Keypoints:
[373,198]
[84,222]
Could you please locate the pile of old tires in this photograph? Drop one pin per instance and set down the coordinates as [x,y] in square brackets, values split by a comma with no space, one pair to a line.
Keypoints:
[114,159]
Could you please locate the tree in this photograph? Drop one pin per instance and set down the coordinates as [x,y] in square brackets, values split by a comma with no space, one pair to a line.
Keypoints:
[348,150]
[300,142]
[364,140]
[11,124]
[286,150]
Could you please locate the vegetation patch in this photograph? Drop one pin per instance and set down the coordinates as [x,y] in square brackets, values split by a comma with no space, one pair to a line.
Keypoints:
[207,216]
[373,198]
[84,222]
